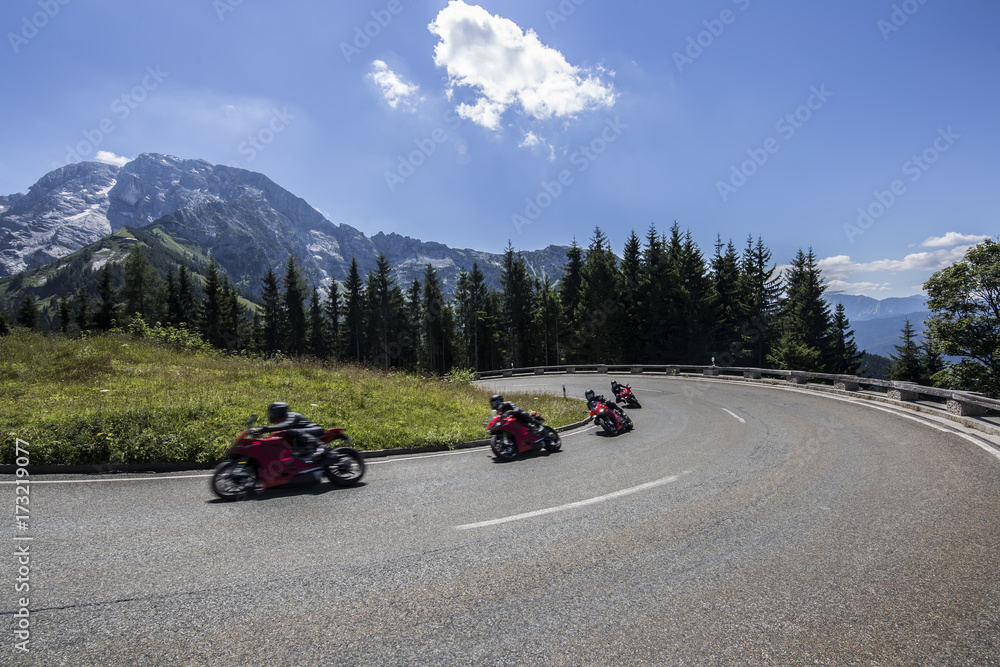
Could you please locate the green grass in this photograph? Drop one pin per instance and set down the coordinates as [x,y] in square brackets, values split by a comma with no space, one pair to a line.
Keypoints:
[121,399]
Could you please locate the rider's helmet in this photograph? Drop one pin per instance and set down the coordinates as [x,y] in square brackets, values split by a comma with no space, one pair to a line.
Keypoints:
[614,385]
[277,412]
[589,395]
[496,400]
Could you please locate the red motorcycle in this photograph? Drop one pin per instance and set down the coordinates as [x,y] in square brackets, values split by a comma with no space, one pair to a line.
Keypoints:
[612,421]
[625,395]
[257,460]
[510,437]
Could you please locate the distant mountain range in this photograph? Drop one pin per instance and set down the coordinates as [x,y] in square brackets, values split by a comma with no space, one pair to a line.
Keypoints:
[188,210]
[74,219]
[878,324]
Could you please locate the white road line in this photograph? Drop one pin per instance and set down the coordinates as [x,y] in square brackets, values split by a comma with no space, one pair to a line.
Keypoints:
[568,506]
[736,416]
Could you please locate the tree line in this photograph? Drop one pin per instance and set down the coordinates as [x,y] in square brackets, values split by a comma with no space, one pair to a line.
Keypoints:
[660,302]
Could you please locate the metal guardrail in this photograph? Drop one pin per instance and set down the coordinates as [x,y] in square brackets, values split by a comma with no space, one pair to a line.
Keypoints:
[961,403]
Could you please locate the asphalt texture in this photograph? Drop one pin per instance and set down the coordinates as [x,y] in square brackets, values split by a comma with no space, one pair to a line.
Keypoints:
[736,525]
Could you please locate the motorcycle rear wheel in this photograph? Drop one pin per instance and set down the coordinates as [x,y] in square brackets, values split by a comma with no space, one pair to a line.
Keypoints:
[553,442]
[504,446]
[234,480]
[348,467]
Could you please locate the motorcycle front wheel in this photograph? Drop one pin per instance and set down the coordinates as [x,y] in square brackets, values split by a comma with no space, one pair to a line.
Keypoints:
[608,426]
[234,480]
[504,446]
[347,469]
[634,404]
[553,442]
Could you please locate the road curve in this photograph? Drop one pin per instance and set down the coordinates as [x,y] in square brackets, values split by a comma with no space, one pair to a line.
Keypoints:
[738,524]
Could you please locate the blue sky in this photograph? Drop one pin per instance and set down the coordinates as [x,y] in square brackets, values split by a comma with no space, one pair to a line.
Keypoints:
[865,130]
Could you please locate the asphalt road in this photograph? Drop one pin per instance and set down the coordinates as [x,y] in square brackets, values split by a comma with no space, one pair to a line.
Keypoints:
[736,525]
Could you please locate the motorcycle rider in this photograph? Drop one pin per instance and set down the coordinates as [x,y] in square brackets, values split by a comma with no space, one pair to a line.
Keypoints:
[302,433]
[593,399]
[503,407]
[616,389]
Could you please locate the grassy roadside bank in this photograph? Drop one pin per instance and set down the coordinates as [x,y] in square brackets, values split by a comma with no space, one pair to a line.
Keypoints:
[118,399]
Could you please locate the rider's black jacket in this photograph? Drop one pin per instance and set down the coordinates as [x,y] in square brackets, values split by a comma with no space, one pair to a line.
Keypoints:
[294,421]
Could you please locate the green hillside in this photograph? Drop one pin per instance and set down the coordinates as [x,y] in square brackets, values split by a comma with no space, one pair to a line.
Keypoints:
[122,399]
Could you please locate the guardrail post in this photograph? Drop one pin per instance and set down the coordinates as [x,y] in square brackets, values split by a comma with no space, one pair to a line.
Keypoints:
[794,377]
[508,372]
[711,371]
[902,392]
[963,409]
[602,368]
[751,375]
[571,369]
[539,371]
[637,370]
[847,384]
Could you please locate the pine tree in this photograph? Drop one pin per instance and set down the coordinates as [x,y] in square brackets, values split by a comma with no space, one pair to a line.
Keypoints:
[517,305]
[804,341]
[354,311]
[691,317]
[27,312]
[413,351]
[212,308]
[631,313]
[108,309]
[65,316]
[569,297]
[333,309]
[436,334]
[653,306]
[317,327]
[599,311]
[906,363]
[760,292]
[272,316]
[186,299]
[140,285]
[82,309]
[726,303]
[230,317]
[844,355]
[295,312]
[381,315]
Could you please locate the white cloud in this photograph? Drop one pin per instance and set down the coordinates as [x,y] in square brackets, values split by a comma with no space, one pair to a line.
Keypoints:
[508,66]
[842,267]
[107,157]
[530,140]
[952,239]
[394,90]
[845,287]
